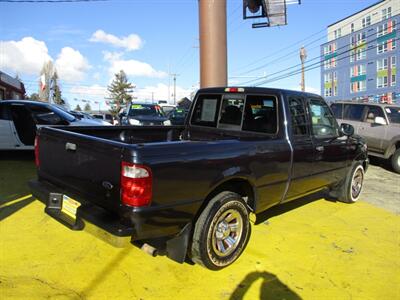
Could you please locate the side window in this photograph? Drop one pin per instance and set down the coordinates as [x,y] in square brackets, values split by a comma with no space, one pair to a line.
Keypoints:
[298,116]
[45,116]
[206,110]
[353,112]
[322,121]
[260,114]
[372,113]
[4,113]
[337,110]
[231,113]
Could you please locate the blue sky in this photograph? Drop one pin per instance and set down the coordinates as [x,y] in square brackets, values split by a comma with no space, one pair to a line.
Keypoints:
[88,42]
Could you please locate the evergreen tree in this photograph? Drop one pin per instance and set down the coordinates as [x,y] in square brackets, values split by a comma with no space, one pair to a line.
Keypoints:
[87,107]
[120,90]
[78,108]
[34,96]
[57,98]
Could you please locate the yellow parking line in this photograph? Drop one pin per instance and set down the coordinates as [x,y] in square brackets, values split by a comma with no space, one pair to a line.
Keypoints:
[15,201]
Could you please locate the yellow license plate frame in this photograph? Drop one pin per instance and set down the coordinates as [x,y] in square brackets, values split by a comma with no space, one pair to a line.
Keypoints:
[70,206]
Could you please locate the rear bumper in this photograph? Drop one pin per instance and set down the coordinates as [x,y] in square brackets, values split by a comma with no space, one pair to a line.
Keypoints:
[89,217]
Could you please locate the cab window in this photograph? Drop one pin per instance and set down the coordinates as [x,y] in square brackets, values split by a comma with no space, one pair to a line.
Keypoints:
[372,113]
[260,114]
[298,116]
[231,112]
[206,110]
[322,120]
[45,116]
[353,112]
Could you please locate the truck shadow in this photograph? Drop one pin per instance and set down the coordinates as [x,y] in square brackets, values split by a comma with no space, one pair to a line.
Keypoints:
[271,287]
[8,210]
[286,207]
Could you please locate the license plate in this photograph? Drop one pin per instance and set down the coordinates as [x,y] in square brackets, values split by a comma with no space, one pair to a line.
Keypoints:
[70,206]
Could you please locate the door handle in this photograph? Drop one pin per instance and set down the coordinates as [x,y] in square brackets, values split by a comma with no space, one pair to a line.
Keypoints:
[320,148]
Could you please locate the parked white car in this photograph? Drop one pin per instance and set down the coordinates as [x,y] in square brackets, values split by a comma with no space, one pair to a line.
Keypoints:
[19,120]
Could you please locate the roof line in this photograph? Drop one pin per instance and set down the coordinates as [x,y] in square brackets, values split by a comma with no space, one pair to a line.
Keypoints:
[356,13]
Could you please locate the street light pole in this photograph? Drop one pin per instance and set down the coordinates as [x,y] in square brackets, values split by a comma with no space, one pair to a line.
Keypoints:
[213,49]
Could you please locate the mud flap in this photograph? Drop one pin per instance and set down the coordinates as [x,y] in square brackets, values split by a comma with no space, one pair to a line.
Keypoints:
[178,246]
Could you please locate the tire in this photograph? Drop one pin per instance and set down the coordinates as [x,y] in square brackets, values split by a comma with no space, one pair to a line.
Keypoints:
[396,161]
[215,231]
[351,188]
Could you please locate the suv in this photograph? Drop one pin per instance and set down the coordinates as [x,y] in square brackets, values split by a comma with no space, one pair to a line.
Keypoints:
[377,123]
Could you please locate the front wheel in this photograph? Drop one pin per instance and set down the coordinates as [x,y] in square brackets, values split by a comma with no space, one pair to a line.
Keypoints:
[351,188]
[396,161]
[221,232]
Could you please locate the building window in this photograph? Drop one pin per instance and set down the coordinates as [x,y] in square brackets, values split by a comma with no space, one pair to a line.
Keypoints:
[382,64]
[386,28]
[366,21]
[393,82]
[330,56]
[352,27]
[385,46]
[358,86]
[386,13]
[338,33]
[393,64]
[328,92]
[358,47]
[382,82]
[358,70]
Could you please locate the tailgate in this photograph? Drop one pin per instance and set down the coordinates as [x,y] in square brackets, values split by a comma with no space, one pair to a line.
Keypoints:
[81,164]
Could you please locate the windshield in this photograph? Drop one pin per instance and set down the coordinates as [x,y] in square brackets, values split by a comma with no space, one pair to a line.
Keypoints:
[393,113]
[63,113]
[145,110]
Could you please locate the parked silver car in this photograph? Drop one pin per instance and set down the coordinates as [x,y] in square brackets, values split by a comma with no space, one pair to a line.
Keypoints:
[19,120]
[377,123]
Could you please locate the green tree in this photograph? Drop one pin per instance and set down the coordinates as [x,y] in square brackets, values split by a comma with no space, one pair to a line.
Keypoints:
[87,107]
[119,92]
[57,97]
[78,108]
[34,97]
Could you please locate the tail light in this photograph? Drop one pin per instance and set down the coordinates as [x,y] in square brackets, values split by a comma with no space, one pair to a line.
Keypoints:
[136,184]
[37,160]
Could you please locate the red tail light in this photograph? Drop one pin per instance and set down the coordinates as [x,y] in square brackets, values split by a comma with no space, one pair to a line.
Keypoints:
[37,161]
[136,184]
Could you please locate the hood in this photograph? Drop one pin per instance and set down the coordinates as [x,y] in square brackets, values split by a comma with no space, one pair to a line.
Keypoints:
[89,122]
[148,118]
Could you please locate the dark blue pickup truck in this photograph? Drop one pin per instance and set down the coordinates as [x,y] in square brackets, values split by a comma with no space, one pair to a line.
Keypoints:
[191,188]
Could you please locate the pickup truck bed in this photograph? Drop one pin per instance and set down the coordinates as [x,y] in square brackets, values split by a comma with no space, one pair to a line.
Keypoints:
[241,151]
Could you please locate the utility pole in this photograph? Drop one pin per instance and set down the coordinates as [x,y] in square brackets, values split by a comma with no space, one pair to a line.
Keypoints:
[213,49]
[173,74]
[303,57]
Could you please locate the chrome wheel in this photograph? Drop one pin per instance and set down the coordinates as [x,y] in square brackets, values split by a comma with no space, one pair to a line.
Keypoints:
[227,233]
[357,182]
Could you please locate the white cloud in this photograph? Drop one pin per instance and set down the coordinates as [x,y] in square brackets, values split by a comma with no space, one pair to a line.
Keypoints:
[71,65]
[25,57]
[160,92]
[135,68]
[87,91]
[130,42]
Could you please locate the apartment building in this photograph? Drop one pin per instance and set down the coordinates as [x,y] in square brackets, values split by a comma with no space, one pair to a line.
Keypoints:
[359,62]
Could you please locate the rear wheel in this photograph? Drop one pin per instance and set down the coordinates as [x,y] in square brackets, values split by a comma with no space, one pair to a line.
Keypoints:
[222,231]
[396,161]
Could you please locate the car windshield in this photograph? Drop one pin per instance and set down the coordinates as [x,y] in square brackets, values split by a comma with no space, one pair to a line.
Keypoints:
[179,113]
[63,113]
[145,110]
[393,113]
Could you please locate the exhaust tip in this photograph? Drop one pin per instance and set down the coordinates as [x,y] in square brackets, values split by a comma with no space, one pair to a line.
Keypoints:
[149,249]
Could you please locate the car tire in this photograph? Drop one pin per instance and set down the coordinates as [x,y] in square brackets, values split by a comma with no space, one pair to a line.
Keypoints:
[350,190]
[221,232]
[396,161]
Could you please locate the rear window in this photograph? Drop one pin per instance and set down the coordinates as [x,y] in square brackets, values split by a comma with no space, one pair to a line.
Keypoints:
[393,114]
[353,112]
[256,113]
[206,110]
[145,110]
[337,110]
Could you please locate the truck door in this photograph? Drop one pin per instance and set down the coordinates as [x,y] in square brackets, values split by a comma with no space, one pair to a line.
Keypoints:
[7,137]
[330,149]
[24,123]
[302,180]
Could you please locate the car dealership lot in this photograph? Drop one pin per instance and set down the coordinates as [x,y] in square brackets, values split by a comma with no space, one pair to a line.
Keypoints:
[320,250]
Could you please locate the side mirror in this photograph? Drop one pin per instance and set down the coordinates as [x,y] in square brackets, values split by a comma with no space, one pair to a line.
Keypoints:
[346,129]
[380,121]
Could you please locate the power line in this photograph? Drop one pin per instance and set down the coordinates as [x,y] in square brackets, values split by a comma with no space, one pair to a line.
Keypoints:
[312,66]
[314,58]
[296,44]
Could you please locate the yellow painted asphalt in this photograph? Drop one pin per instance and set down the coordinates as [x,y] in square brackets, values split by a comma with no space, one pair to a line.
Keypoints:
[322,250]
